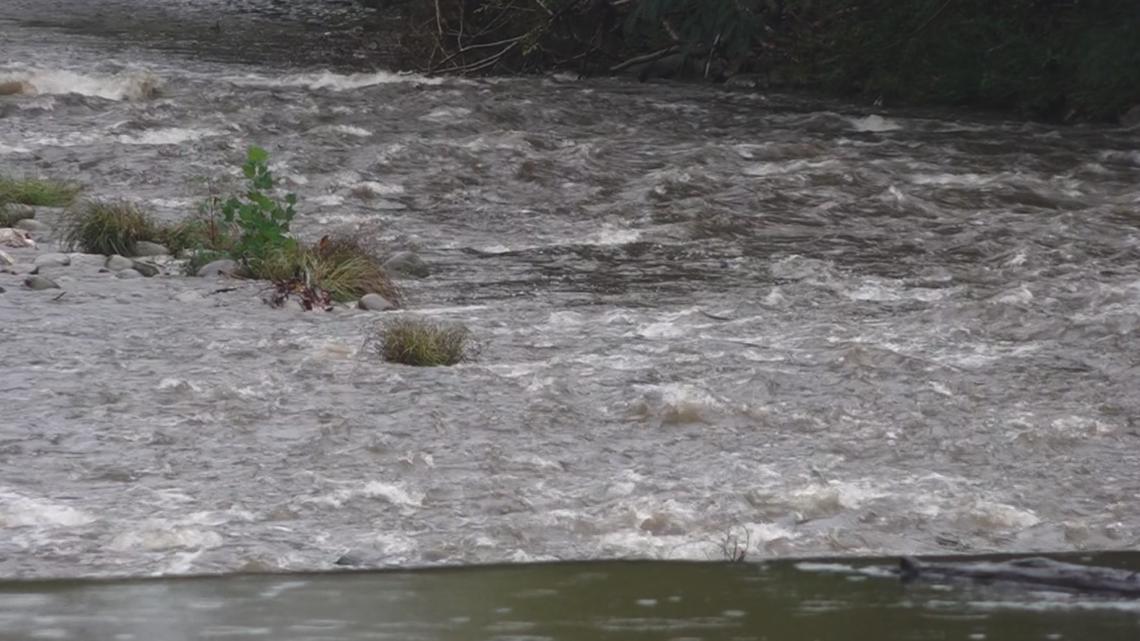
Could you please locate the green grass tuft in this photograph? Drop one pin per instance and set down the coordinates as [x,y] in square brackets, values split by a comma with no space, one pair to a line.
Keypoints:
[197,234]
[102,227]
[423,343]
[37,192]
[343,268]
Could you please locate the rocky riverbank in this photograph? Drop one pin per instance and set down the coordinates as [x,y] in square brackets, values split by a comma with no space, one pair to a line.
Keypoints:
[36,258]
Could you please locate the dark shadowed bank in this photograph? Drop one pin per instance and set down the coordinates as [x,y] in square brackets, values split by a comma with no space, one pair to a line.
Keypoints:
[1059,60]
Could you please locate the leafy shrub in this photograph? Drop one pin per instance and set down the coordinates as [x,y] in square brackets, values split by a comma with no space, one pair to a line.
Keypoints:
[37,192]
[263,220]
[103,227]
[423,343]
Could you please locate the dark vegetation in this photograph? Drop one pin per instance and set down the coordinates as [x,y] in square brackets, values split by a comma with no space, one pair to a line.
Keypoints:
[1051,59]
[420,342]
[252,228]
[34,192]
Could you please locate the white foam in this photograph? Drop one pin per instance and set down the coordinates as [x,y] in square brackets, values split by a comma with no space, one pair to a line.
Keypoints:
[611,235]
[162,536]
[676,403]
[333,81]
[991,515]
[138,85]
[774,168]
[379,189]
[347,130]
[18,510]
[447,114]
[166,136]
[874,123]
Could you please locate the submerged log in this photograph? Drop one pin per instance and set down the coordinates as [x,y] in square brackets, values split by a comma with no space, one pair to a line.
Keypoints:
[1036,571]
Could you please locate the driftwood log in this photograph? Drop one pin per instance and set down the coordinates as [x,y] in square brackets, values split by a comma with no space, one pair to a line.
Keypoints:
[1035,571]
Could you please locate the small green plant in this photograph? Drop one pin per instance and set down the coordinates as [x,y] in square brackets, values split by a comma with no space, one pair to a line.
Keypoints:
[263,221]
[103,227]
[423,343]
[37,192]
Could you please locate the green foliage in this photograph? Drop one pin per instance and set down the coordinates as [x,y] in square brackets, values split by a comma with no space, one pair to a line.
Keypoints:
[731,27]
[263,220]
[104,227]
[423,343]
[36,192]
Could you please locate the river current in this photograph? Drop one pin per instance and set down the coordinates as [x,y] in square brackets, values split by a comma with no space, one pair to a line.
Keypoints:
[710,319]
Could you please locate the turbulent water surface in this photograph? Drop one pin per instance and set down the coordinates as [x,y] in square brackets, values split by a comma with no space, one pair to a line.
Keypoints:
[709,318]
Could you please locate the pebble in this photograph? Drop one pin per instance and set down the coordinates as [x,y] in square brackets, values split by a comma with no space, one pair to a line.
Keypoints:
[223,267]
[375,303]
[52,260]
[117,263]
[146,269]
[17,212]
[293,305]
[33,225]
[40,282]
[129,273]
[15,238]
[147,248]
[189,296]
[408,264]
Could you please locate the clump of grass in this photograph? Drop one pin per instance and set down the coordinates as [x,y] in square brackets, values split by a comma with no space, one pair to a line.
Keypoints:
[423,343]
[104,227]
[342,267]
[199,234]
[37,192]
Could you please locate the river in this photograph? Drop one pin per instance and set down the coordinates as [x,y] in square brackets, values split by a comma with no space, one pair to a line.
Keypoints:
[712,320]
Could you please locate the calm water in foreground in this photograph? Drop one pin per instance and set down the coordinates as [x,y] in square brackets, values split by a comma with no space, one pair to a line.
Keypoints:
[572,602]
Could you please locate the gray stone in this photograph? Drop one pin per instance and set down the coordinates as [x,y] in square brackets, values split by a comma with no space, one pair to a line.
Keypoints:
[128,273]
[375,303]
[2,290]
[40,282]
[52,260]
[292,305]
[146,269]
[147,248]
[189,296]
[117,263]
[223,267]
[5,259]
[33,225]
[15,213]
[407,264]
